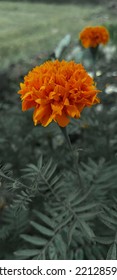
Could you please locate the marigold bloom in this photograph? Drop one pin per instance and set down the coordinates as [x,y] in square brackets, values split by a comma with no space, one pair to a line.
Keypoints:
[57,90]
[92,36]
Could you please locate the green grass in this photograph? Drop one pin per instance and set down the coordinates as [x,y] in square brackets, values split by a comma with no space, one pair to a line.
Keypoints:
[26,29]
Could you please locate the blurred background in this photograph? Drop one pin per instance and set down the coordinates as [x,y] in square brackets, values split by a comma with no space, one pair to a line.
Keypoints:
[30,27]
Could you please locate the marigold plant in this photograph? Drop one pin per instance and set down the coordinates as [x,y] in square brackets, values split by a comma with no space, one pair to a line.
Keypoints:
[92,36]
[57,91]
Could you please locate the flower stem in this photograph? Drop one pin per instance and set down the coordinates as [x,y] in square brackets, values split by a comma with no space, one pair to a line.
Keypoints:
[94,70]
[94,57]
[64,131]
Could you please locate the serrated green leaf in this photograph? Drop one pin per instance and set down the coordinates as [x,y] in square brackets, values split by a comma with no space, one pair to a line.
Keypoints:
[34,240]
[42,229]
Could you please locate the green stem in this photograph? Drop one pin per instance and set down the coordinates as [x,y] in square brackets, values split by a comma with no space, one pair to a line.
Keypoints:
[64,131]
[94,52]
[94,69]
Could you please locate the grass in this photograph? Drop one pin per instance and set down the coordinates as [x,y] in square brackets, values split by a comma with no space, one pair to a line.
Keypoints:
[27,29]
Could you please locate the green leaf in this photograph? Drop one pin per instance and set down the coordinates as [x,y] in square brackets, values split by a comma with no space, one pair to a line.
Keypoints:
[92,163]
[40,256]
[50,172]
[40,162]
[88,216]
[87,230]
[78,198]
[48,221]
[74,196]
[89,254]
[34,240]
[42,229]
[115,237]
[33,167]
[111,212]
[104,240]
[85,207]
[108,219]
[62,215]
[112,252]
[71,231]
[52,252]
[27,253]
[56,181]
[65,222]
[5,231]
[46,167]
[108,224]
[97,252]
[79,254]
[61,246]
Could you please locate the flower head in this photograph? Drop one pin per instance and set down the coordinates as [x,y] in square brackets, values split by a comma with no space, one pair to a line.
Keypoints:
[57,91]
[92,36]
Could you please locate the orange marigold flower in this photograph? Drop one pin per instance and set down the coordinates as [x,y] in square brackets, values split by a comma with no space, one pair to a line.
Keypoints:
[57,90]
[92,36]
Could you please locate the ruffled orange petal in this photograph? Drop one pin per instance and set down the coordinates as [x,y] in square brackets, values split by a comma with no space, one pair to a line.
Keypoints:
[47,119]
[26,104]
[40,112]
[57,109]
[62,120]
[72,111]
